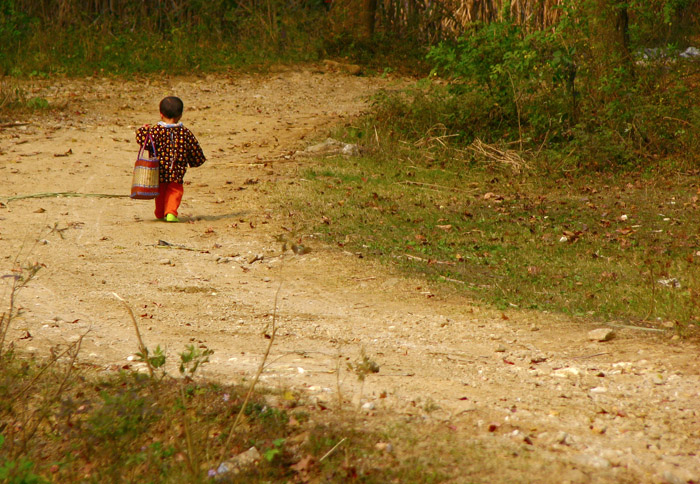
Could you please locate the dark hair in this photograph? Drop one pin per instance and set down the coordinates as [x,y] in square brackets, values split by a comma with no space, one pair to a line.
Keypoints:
[171,107]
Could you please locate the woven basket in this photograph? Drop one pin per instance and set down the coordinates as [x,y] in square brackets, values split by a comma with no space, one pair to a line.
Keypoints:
[144,185]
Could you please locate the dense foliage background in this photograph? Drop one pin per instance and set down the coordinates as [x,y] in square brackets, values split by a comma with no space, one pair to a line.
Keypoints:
[598,83]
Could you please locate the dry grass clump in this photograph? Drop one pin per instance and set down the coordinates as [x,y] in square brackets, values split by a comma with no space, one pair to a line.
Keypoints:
[491,153]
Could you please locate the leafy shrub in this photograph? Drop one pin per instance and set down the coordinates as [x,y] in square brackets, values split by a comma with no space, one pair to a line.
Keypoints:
[18,472]
[14,27]
[577,95]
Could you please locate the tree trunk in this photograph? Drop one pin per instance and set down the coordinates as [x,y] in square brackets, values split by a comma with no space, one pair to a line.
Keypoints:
[611,32]
[369,12]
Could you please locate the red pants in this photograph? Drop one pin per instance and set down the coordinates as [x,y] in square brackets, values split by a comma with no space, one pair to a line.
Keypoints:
[169,198]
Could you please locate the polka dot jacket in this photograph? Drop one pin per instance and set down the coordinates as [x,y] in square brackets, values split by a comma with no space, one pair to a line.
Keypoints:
[176,147]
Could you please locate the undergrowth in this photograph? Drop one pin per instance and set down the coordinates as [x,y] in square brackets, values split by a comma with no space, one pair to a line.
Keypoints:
[121,426]
[532,169]
[185,37]
[64,421]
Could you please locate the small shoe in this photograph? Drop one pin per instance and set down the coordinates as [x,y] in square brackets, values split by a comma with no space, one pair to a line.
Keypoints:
[171,218]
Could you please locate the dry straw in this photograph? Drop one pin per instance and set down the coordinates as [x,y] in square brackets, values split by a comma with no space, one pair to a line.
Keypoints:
[499,156]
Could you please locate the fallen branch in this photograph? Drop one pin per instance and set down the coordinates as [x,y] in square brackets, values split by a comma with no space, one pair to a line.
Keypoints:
[62,194]
[162,244]
[669,118]
[640,328]
[449,279]
[430,139]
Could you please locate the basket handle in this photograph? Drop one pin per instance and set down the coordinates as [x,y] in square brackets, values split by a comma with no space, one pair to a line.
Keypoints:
[153,143]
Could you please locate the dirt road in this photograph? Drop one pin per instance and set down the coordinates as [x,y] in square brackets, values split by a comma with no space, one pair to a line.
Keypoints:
[624,410]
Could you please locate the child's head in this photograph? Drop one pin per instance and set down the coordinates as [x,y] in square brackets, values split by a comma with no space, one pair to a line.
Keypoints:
[171,107]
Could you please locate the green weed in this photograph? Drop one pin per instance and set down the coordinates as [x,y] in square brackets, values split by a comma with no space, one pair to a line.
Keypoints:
[14,99]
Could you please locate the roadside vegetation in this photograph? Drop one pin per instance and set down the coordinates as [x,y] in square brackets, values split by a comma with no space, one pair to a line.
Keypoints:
[550,167]
[537,169]
[615,247]
[155,419]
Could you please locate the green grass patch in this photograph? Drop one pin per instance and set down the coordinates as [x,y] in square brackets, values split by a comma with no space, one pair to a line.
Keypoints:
[615,246]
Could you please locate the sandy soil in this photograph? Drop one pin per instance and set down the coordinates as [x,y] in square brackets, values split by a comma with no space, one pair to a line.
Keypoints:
[625,410]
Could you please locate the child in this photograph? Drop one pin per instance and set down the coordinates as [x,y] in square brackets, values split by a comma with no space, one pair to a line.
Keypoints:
[177,149]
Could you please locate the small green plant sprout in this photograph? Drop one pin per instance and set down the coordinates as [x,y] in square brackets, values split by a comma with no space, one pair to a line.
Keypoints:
[275,450]
[155,360]
[37,103]
[363,367]
[192,358]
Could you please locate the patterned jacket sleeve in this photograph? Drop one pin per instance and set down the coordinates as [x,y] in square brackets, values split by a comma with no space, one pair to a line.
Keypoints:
[195,155]
[141,134]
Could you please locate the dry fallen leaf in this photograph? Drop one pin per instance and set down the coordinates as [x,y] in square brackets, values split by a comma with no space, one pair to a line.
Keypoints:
[533,270]
[304,465]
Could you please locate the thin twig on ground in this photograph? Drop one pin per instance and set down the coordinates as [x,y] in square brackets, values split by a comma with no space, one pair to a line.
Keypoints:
[429,261]
[449,279]
[333,449]
[432,186]
[62,194]
[640,328]
[162,244]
